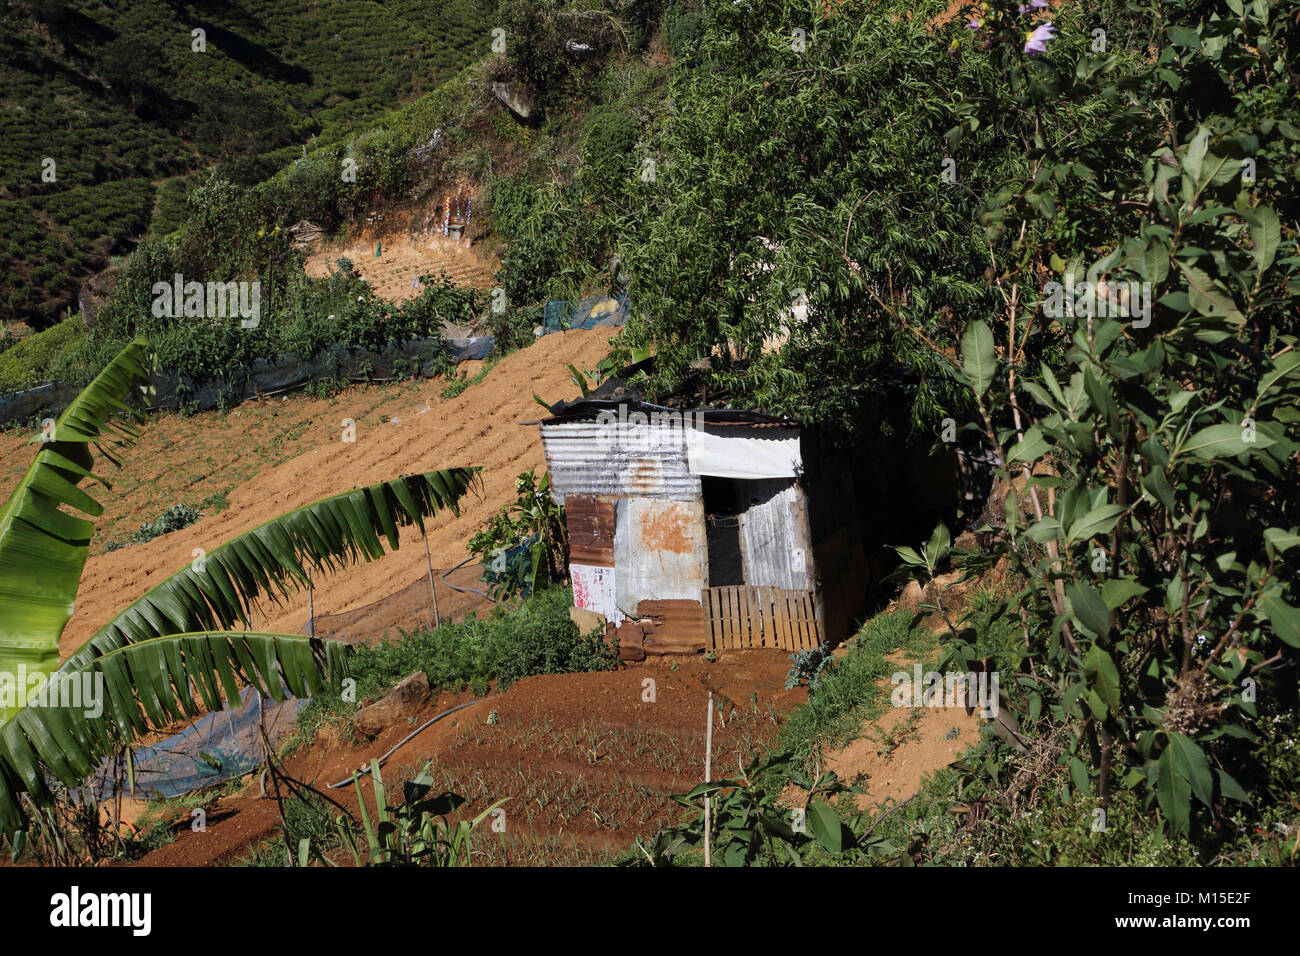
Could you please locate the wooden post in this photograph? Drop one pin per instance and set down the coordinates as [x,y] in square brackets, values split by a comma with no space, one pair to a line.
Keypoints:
[437,618]
[708,775]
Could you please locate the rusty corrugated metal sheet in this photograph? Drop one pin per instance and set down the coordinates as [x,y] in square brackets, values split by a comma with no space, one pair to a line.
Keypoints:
[587,458]
[660,550]
[591,529]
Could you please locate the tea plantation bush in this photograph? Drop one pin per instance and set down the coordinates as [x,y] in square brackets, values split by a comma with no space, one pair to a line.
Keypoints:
[111,94]
[28,361]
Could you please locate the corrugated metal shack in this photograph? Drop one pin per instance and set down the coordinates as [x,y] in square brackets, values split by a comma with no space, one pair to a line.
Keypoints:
[707,529]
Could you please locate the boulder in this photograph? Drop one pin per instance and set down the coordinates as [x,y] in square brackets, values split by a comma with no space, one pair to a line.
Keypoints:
[405,699]
[519,101]
[94,291]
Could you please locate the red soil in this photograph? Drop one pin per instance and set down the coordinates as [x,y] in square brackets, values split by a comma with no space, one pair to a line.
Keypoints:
[585,762]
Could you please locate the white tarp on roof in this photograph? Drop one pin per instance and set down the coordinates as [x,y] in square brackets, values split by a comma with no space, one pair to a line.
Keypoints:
[730,452]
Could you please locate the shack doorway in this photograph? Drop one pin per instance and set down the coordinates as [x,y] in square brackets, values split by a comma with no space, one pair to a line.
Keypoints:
[722,511]
[753,533]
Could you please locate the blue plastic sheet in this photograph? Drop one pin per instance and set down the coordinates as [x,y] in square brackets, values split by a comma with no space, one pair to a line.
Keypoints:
[221,745]
[592,312]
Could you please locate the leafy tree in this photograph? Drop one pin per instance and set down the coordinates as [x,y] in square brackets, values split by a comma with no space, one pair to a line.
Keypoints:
[1156,531]
[786,172]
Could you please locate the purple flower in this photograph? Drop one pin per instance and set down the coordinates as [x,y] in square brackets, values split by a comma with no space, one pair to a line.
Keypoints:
[1036,40]
[974,24]
[1032,5]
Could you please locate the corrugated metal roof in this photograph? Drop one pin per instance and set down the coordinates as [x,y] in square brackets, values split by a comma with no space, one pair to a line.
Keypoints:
[588,408]
[589,458]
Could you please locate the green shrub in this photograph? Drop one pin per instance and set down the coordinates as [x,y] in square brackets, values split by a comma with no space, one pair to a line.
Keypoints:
[27,362]
[683,30]
[536,637]
[1159,630]
[173,519]
[607,150]
[169,214]
[511,203]
[513,329]
[544,640]
[528,268]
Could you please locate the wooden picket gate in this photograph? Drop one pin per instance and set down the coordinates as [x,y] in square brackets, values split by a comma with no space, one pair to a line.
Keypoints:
[747,617]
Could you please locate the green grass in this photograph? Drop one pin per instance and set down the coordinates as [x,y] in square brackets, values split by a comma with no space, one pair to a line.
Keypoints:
[850,692]
[269,852]
[215,503]
[306,816]
[462,381]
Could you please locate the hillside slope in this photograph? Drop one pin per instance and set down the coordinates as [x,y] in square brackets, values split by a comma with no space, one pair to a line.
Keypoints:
[478,427]
[108,107]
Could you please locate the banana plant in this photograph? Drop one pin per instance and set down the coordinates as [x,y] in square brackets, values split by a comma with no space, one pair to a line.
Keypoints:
[43,548]
[219,588]
[146,667]
[415,832]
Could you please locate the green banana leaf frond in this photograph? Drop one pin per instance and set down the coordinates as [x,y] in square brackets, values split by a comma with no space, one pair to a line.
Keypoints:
[43,547]
[219,590]
[81,715]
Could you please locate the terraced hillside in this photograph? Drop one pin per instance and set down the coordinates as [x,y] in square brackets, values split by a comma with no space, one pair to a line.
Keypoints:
[403,258]
[399,429]
[109,107]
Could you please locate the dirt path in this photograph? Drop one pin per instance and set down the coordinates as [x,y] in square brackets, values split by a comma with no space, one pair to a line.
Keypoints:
[399,430]
[894,755]
[891,756]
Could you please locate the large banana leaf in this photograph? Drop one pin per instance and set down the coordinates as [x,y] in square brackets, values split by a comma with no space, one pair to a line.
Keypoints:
[274,557]
[68,727]
[43,548]
[147,665]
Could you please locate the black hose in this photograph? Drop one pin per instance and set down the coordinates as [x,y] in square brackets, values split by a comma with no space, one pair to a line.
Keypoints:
[393,749]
